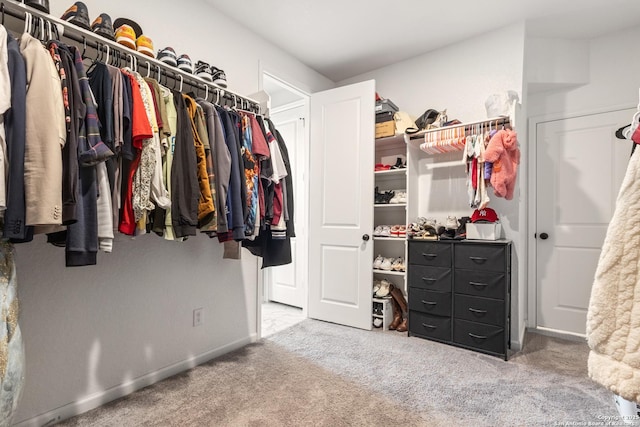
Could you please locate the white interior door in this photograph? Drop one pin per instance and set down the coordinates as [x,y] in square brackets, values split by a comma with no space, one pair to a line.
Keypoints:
[341,204]
[287,283]
[580,166]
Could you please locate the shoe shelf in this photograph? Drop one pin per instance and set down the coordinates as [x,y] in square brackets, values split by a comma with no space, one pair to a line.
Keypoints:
[391,172]
[390,141]
[390,205]
[390,272]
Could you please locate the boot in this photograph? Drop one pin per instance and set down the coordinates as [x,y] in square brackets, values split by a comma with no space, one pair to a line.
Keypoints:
[397,315]
[398,298]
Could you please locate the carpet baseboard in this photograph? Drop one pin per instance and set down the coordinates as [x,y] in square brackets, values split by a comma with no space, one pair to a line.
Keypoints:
[98,399]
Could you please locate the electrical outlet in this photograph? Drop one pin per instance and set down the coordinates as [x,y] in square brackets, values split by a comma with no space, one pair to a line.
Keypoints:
[198,317]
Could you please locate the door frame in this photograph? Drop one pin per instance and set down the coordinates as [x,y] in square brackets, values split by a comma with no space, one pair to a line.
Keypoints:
[531,241]
[264,275]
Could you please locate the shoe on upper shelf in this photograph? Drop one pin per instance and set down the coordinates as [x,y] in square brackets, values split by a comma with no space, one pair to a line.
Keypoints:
[168,56]
[203,70]
[126,36]
[219,77]
[144,45]
[77,14]
[102,26]
[185,64]
[451,223]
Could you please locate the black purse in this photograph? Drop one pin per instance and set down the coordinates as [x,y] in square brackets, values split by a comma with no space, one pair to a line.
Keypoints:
[423,122]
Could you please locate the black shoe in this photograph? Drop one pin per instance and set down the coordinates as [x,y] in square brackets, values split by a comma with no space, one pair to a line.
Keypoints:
[461,232]
[203,70]
[78,14]
[219,77]
[102,26]
[41,5]
[399,164]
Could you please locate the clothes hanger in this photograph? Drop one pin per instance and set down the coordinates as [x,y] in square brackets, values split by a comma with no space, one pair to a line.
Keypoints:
[181,81]
[2,10]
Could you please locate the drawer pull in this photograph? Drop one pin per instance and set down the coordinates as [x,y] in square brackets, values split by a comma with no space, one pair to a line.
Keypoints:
[429,255]
[479,337]
[429,279]
[429,302]
[429,326]
[476,311]
[478,284]
[477,259]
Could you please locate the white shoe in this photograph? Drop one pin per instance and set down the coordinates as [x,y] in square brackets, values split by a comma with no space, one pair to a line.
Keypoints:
[377,263]
[386,264]
[451,223]
[384,288]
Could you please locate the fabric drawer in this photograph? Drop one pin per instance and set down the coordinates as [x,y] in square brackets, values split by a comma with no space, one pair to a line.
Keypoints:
[478,309]
[480,257]
[479,336]
[436,327]
[431,278]
[436,303]
[430,253]
[480,283]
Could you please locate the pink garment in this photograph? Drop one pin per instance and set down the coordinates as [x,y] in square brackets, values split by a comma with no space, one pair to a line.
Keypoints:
[504,153]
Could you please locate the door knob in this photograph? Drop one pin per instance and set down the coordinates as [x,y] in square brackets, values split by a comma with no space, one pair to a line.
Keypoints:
[365,237]
[544,236]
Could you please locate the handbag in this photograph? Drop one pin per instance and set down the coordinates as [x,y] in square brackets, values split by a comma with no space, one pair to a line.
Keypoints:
[428,119]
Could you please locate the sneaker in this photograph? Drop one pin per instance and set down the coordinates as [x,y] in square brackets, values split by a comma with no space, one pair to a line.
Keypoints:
[102,26]
[78,14]
[377,322]
[398,264]
[377,263]
[41,5]
[126,36]
[144,45]
[386,264]
[137,30]
[185,64]
[203,70]
[219,77]
[168,56]
[451,223]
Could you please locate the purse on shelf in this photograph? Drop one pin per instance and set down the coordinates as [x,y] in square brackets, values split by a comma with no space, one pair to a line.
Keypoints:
[428,120]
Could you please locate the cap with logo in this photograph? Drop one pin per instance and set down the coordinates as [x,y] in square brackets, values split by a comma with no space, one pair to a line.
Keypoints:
[484,215]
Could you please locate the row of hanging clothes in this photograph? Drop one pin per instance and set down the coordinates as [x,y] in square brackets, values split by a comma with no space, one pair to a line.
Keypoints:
[490,154]
[92,147]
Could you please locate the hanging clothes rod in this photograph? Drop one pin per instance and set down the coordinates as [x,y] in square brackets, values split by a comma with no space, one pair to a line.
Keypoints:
[102,45]
[495,121]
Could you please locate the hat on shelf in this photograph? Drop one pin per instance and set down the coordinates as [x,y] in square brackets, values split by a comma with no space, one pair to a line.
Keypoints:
[102,26]
[77,14]
[125,21]
[484,215]
[42,5]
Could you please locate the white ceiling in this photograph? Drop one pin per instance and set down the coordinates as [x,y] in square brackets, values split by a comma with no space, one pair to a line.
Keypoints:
[344,38]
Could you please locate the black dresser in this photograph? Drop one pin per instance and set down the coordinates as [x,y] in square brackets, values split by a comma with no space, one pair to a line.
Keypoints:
[460,293]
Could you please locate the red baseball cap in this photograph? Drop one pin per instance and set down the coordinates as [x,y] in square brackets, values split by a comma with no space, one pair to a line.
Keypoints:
[484,215]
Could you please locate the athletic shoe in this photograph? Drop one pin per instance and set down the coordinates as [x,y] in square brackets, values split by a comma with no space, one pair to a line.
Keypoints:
[168,56]
[219,77]
[451,223]
[144,45]
[126,36]
[185,64]
[42,5]
[203,70]
[102,26]
[78,14]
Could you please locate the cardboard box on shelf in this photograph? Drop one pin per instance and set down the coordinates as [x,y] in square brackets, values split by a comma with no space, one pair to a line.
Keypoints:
[385,129]
[480,231]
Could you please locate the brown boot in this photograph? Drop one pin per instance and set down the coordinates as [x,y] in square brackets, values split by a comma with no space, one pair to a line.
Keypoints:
[398,298]
[397,315]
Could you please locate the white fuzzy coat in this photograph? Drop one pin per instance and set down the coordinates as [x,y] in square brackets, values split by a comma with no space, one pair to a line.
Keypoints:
[613,319]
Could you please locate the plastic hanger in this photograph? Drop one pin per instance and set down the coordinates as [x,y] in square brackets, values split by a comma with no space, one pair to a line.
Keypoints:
[2,10]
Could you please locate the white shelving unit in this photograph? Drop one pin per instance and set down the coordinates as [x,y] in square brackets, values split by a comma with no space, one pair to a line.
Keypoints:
[389,149]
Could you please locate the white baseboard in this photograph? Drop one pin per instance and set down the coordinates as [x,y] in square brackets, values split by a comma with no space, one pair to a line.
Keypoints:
[98,399]
[559,334]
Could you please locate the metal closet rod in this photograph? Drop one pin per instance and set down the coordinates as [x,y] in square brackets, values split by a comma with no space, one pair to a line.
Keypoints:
[87,38]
